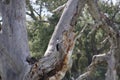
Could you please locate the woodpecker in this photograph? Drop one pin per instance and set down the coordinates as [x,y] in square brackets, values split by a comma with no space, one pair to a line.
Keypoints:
[0,29]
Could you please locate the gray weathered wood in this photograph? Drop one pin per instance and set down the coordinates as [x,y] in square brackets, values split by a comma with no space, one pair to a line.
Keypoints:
[14,40]
[63,33]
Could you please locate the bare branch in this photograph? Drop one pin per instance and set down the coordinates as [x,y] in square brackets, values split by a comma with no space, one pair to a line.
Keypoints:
[57,61]
[59,9]
[84,76]
[117,10]
[80,34]
[105,40]
[95,61]
[101,19]
[31,14]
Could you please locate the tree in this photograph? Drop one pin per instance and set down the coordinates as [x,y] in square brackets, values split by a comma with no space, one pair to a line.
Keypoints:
[57,59]
[13,41]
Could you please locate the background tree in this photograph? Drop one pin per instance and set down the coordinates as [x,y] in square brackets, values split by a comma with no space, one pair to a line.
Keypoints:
[13,41]
[91,42]
[94,39]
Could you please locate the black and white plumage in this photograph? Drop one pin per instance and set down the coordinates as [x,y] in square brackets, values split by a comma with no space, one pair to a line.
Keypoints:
[1,29]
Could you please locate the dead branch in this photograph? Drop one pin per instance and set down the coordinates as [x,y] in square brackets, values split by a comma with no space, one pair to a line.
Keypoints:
[57,61]
[84,75]
[97,59]
[99,17]
[81,32]
[105,40]
[109,57]
[59,9]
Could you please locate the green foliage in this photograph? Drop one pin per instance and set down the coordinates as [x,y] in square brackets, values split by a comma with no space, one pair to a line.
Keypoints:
[51,4]
[39,34]
[100,72]
[39,37]
[83,61]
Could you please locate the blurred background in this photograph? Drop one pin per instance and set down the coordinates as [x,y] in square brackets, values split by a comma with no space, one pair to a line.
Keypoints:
[41,22]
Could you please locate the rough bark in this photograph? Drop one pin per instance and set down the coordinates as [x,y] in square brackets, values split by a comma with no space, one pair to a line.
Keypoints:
[13,40]
[57,66]
[57,59]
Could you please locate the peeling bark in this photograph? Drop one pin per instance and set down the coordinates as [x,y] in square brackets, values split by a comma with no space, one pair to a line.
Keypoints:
[64,34]
[57,59]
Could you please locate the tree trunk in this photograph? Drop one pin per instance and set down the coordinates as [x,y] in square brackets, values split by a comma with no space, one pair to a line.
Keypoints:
[13,40]
[57,60]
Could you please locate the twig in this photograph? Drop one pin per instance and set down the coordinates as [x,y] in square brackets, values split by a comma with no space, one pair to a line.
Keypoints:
[80,34]
[105,40]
